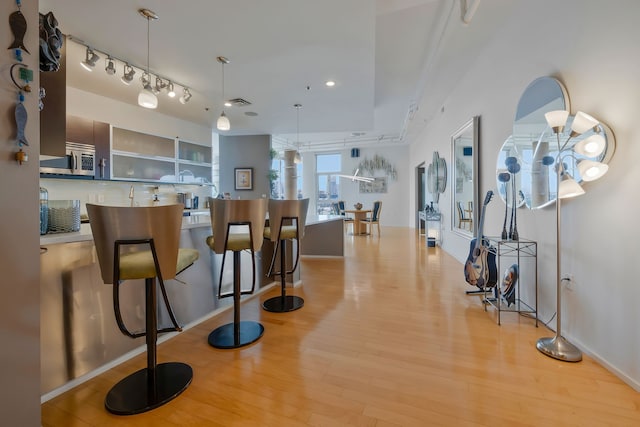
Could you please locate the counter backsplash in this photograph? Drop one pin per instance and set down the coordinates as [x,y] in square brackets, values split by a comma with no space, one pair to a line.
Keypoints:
[116,193]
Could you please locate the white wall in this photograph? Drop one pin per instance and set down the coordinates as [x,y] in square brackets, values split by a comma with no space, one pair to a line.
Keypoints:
[589,45]
[395,202]
[126,116]
[19,246]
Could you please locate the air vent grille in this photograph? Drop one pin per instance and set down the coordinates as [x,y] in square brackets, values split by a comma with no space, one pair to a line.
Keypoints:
[239,102]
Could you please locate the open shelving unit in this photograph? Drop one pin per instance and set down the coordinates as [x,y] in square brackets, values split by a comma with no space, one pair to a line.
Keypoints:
[524,253]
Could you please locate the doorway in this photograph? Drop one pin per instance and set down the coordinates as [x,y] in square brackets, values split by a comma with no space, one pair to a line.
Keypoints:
[421,187]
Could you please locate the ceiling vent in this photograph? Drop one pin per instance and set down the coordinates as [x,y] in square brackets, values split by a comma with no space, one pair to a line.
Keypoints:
[239,102]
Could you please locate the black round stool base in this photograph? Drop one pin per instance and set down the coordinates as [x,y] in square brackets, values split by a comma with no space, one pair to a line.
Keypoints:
[136,394]
[283,304]
[223,336]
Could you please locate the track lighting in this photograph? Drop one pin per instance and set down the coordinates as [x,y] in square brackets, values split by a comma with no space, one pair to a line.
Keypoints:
[110,68]
[127,75]
[159,85]
[146,97]
[186,96]
[170,92]
[223,121]
[152,83]
[90,60]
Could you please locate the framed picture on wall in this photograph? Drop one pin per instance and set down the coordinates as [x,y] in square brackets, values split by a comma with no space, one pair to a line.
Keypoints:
[244,178]
[378,185]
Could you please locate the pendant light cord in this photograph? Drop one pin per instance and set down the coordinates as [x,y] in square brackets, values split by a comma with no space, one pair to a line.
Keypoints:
[148,48]
[223,100]
[298,128]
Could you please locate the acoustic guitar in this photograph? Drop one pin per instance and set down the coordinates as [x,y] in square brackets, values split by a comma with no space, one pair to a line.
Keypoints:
[480,269]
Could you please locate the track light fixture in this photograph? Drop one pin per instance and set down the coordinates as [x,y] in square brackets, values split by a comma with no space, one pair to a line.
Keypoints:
[128,73]
[160,84]
[223,121]
[152,83]
[171,93]
[110,68]
[90,59]
[186,96]
[146,97]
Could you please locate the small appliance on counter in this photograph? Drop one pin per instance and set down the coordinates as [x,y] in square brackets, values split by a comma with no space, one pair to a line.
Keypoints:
[188,200]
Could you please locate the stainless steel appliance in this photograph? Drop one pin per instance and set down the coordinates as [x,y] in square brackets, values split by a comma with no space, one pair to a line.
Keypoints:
[79,160]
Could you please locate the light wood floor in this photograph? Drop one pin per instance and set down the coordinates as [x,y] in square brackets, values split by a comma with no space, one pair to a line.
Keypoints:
[387,337]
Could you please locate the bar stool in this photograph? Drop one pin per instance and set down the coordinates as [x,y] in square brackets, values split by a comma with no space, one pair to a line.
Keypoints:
[286,222]
[237,225]
[142,243]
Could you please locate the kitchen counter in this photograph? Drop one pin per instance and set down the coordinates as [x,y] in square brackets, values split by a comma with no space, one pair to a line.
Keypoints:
[78,332]
[201,219]
[323,236]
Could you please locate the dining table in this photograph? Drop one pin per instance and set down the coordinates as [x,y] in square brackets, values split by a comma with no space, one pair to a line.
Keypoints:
[358,215]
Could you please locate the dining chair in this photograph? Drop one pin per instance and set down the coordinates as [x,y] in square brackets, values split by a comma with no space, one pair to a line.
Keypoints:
[346,219]
[464,218]
[369,221]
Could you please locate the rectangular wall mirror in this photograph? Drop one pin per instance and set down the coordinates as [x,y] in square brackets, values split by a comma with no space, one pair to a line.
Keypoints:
[464,179]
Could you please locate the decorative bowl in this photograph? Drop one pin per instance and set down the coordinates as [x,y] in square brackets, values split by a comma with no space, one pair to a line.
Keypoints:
[358,206]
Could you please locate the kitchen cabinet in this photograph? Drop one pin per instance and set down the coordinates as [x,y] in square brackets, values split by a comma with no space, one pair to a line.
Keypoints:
[102,142]
[52,116]
[194,163]
[91,132]
[79,129]
[143,157]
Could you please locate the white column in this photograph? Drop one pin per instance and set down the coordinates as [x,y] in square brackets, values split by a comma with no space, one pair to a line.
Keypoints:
[290,175]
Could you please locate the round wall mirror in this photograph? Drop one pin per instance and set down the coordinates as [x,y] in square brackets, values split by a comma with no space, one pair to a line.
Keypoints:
[437,176]
[526,168]
[523,159]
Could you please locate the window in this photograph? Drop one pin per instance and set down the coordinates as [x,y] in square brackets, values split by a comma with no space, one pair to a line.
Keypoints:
[328,166]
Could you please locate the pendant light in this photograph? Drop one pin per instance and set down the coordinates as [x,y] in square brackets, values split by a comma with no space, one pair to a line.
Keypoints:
[298,157]
[146,97]
[223,121]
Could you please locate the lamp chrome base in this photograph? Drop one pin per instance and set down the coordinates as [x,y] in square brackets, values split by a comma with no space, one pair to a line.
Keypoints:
[559,348]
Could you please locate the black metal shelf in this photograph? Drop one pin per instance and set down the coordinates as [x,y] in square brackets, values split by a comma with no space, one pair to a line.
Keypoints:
[513,249]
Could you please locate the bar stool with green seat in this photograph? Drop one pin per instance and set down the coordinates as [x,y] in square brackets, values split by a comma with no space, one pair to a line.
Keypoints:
[237,225]
[142,243]
[287,219]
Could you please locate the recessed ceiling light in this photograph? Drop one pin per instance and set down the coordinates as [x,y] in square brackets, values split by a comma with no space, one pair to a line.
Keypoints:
[250,113]
[330,83]
[227,104]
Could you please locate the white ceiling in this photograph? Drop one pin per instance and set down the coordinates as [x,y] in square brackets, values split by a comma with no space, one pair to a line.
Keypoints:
[281,52]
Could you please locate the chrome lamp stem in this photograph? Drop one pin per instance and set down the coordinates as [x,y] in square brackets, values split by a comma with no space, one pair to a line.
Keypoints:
[558,347]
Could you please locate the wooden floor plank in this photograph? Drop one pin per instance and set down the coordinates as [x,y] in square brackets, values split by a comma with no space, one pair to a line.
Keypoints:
[387,337]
